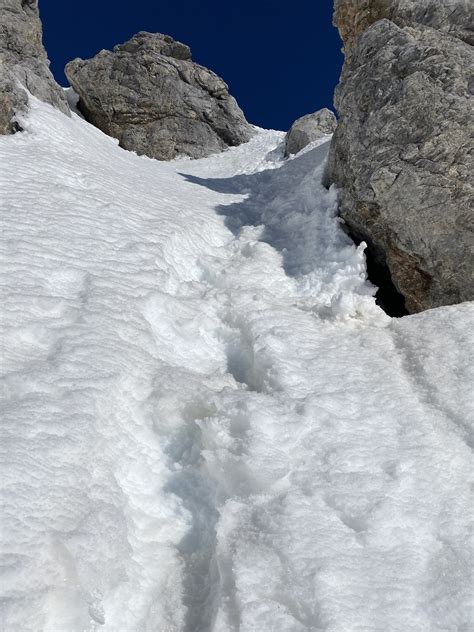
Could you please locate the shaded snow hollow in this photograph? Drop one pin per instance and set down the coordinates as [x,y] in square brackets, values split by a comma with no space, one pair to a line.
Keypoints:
[208,424]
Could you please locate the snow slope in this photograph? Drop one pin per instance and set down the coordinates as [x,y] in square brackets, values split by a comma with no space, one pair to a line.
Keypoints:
[207,423]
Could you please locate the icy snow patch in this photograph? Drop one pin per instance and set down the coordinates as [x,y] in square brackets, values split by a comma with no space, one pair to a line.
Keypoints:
[208,424]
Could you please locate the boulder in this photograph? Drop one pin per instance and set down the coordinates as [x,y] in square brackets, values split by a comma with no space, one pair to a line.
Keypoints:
[402,154]
[309,128]
[156,101]
[24,64]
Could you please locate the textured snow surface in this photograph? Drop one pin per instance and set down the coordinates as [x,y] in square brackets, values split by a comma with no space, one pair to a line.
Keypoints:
[207,423]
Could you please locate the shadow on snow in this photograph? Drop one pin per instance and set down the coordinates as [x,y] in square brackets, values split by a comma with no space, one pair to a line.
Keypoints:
[284,202]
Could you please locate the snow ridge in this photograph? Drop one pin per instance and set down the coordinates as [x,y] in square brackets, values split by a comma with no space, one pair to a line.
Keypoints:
[208,423]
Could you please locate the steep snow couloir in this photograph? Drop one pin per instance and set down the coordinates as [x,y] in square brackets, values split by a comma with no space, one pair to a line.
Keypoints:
[208,423]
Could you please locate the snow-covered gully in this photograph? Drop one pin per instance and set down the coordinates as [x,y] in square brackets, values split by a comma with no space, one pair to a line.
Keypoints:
[209,426]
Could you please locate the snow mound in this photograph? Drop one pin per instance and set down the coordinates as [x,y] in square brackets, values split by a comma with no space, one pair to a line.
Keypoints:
[208,424]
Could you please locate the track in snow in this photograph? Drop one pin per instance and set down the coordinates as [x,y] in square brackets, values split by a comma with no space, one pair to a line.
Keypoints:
[209,425]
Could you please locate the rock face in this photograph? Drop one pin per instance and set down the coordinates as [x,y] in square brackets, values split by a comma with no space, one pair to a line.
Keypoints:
[149,95]
[309,128]
[23,62]
[402,151]
[454,17]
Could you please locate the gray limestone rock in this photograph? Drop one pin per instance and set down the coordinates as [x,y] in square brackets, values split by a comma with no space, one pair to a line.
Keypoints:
[309,128]
[149,95]
[23,63]
[455,17]
[402,154]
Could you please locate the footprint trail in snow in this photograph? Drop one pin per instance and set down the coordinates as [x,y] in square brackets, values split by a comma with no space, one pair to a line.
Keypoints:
[208,424]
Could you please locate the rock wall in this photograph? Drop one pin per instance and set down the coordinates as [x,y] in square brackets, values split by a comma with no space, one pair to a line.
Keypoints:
[352,17]
[150,95]
[23,63]
[402,155]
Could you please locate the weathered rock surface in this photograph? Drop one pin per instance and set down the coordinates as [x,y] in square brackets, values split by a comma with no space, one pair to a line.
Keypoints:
[23,63]
[309,128]
[352,17]
[402,154]
[156,101]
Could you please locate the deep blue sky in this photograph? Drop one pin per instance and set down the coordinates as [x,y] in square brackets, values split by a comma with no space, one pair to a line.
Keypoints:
[280,58]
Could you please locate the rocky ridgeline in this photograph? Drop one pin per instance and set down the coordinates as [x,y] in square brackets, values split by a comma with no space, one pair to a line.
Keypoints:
[24,64]
[402,152]
[156,101]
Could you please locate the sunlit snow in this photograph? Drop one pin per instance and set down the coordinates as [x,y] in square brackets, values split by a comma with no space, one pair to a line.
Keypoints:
[207,423]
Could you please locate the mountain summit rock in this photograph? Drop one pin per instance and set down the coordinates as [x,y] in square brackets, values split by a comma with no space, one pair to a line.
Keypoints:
[24,65]
[156,101]
[402,155]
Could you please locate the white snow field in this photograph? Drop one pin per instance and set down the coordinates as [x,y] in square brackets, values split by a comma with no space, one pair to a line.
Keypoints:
[207,423]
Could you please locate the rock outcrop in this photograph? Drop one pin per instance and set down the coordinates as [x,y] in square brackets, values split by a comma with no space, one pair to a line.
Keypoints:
[453,17]
[23,63]
[309,128]
[156,101]
[402,152]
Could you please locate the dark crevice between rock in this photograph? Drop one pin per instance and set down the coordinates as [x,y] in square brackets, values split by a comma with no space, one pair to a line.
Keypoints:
[16,127]
[387,296]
